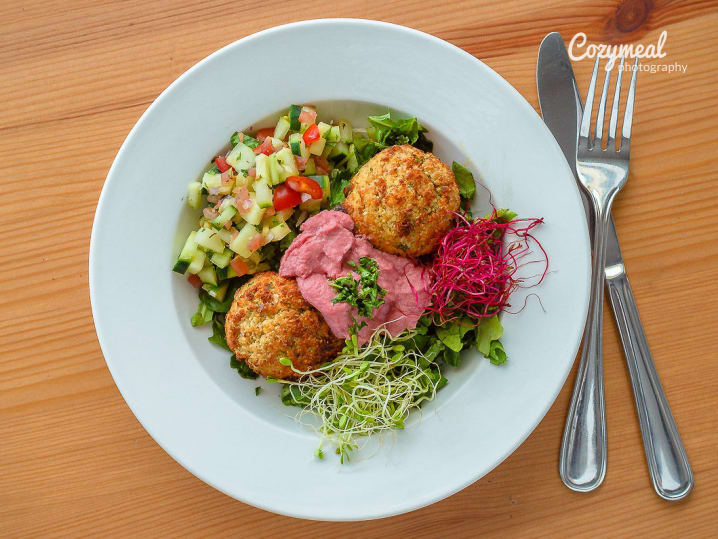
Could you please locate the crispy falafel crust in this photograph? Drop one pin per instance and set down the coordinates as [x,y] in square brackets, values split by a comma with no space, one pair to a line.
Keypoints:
[402,200]
[270,319]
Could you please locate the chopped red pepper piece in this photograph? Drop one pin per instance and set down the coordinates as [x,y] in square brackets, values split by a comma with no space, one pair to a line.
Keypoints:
[311,135]
[194,280]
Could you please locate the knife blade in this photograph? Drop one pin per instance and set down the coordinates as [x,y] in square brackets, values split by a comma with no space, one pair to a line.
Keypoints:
[562,110]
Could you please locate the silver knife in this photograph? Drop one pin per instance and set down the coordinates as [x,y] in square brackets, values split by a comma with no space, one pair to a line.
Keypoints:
[668,463]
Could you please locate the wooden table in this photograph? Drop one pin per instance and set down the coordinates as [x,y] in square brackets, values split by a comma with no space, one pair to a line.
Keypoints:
[75,77]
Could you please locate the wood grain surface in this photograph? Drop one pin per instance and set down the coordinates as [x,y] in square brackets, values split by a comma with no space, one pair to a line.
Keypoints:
[74,78]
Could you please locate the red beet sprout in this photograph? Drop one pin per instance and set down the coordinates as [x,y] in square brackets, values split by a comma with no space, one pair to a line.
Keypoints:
[474,270]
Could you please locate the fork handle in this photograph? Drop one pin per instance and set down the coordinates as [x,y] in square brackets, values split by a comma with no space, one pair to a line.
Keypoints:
[582,462]
[667,460]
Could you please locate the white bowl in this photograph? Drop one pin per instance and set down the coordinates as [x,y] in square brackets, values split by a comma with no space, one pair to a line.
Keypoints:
[181,388]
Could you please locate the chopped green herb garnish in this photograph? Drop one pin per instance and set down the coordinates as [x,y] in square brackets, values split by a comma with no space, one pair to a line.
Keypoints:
[363,293]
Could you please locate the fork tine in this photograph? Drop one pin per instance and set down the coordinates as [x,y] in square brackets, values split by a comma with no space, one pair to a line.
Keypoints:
[588,108]
[628,116]
[614,109]
[602,108]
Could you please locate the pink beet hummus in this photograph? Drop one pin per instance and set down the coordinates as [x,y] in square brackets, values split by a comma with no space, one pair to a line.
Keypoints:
[321,252]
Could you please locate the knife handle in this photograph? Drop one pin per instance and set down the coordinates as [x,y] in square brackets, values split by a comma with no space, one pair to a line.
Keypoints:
[582,461]
[667,460]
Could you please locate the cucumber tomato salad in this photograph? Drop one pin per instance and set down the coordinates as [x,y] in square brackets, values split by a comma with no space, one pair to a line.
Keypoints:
[254,197]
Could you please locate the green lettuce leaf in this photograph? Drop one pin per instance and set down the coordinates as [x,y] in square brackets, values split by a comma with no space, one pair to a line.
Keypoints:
[464,179]
[218,333]
[337,183]
[242,368]
[202,316]
[490,329]
[452,334]
[497,356]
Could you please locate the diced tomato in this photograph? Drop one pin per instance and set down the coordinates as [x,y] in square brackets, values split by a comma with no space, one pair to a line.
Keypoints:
[302,184]
[311,135]
[255,243]
[264,133]
[285,197]
[194,280]
[269,211]
[222,164]
[240,266]
[307,116]
[266,147]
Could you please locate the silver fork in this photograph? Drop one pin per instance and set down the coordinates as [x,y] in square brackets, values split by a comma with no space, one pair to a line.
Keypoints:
[602,174]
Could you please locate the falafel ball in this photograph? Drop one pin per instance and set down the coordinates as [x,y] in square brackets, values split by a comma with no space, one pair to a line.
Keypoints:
[270,319]
[402,200]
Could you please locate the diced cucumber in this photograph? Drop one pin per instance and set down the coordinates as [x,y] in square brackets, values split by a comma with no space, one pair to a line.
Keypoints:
[310,167]
[276,143]
[225,216]
[240,242]
[345,131]
[218,292]
[287,164]
[334,134]
[225,234]
[295,144]
[241,158]
[255,214]
[194,194]
[270,221]
[263,171]
[317,147]
[180,267]
[352,162]
[226,201]
[211,180]
[294,112]
[185,256]
[209,239]
[282,128]
[340,150]
[328,148]
[264,196]
[279,231]
[221,260]
[197,262]
[208,275]
[324,129]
